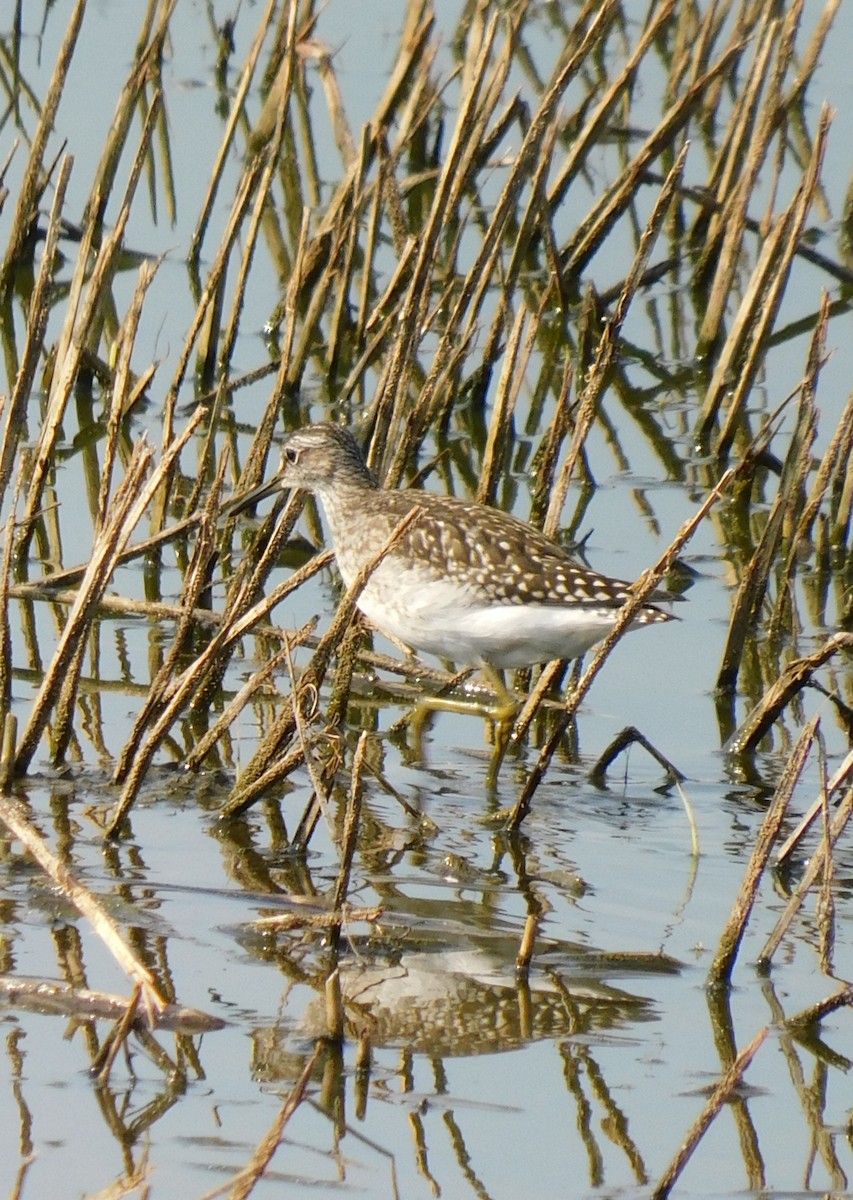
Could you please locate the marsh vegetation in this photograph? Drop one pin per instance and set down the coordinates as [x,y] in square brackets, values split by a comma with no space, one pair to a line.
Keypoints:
[583,263]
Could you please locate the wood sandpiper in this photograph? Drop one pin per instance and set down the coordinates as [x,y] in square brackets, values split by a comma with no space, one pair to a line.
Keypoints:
[464,581]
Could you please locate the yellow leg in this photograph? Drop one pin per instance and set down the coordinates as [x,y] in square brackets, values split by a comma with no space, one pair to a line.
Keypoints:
[499,709]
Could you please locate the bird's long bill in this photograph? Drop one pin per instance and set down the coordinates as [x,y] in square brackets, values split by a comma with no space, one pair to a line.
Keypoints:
[239,503]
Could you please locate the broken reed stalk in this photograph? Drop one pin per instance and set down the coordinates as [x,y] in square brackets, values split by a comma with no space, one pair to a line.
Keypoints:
[133,100]
[808,1018]
[721,1093]
[592,232]
[392,386]
[810,506]
[115,1039]
[388,408]
[242,1184]
[306,706]
[14,815]
[590,396]
[630,737]
[196,581]
[730,939]
[122,385]
[349,838]
[85,1004]
[603,110]
[9,723]
[825,907]
[751,129]
[793,679]
[197,681]
[215,349]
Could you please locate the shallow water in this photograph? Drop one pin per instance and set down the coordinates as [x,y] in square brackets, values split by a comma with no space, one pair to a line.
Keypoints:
[581,1081]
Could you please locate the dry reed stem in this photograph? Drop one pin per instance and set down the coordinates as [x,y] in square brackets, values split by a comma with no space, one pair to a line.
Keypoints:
[202,677]
[629,737]
[14,815]
[231,712]
[641,590]
[208,298]
[794,678]
[6,658]
[717,1099]
[809,1017]
[593,388]
[83,308]
[96,578]
[349,914]
[839,777]
[449,188]
[480,275]
[723,241]
[196,581]
[349,837]
[798,535]
[243,1183]
[745,346]
[115,1039]
[767,304]
[753,583]
[504,407]
[271,155]
[37,318]
[129,504]
[524,956]
[595,125]
[121,384]
[256,458]
[590,234]
[732,935]
[339,693]
[32,184]
[84,1004]
[825,908]
[734,145]
[149,50]
[261,772]
[549,492]
[321,780]
[235,624]
[813,872]
[238,102]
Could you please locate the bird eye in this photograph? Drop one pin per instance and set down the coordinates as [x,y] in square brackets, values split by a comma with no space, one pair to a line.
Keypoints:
[291,455]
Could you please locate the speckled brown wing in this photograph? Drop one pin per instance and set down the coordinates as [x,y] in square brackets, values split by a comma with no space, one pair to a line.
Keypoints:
[497,555]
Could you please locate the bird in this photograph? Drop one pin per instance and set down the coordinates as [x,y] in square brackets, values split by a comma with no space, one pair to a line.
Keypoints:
[463,581]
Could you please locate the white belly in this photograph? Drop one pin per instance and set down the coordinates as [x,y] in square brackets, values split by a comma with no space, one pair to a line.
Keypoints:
[435,617]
